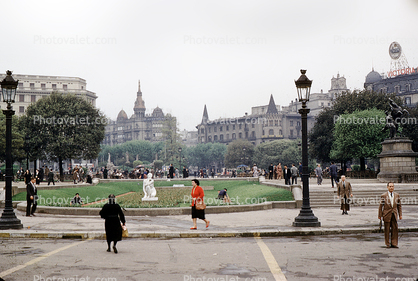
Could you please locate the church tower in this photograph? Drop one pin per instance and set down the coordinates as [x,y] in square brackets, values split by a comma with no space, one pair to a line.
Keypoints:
[139,107]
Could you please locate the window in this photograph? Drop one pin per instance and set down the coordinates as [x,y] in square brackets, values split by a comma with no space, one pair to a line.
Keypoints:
[276,123]
[21,98]
[227,136]
[234,136]
[240,126]
[227,127]
[397,89]
[33,98]
[54,86]
[408,87]
[64,87]
[202,131]
[210,139]
[408,101]
[291,123]
[215,129]
[215,138]
[43,87]
[271,123]
[233,127]
[240,135]
[263,133]
[280,132]
[32,86]
[252,126]
[271,132]
[220,129]
[20,85]
[253,134]
[21,109]
[291,133]
[298,123]
[221,137]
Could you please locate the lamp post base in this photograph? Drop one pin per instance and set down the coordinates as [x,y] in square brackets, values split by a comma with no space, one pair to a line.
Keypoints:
[8,220]
[306,218]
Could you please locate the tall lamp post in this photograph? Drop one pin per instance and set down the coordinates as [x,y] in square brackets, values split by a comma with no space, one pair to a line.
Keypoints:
[180,149]
[8,219]
[306,216]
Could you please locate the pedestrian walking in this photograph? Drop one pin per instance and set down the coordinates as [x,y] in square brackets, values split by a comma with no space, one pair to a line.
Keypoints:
[279,171]
[51,177]
[389,209]
[318,173]
[31,197]
[197,197]
[113,215]
[271,169]
[294,172]
[344,192]
[333,170]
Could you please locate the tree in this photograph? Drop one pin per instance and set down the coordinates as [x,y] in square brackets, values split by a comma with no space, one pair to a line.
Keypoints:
[18,152]
[321,136]
[206,154]
[410,128]
[278,151]
[63,127]
[239,152]
[359,135]
[171,137]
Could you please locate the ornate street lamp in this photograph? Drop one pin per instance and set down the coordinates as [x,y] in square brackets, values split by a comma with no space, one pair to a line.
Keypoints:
[8,218]
[306,216]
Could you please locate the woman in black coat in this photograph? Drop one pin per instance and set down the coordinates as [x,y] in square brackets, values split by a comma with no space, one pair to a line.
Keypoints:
[113,215]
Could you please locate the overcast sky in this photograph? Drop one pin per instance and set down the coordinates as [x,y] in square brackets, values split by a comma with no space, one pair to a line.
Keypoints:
[229,55]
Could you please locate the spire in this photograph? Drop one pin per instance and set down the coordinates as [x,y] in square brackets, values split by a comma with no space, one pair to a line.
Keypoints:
[205,116]
[139,86]
[272,109]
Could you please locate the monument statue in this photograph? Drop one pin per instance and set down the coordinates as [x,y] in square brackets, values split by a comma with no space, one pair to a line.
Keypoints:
[127,157]
[108,158]
[149,189]
[393,118]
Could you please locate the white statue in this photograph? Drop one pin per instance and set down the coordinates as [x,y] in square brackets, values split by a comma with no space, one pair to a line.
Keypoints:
[148,187]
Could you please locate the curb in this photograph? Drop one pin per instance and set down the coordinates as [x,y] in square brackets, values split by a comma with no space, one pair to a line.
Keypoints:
[203,234]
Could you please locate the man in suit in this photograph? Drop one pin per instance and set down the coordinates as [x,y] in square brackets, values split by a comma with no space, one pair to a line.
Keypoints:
[271,168]
[51,177]
[286,175]
[171,171]
[390,207]
[333,170]
[344,192]
[31,197]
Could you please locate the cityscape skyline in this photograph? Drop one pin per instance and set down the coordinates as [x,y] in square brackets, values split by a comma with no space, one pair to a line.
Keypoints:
[230,56]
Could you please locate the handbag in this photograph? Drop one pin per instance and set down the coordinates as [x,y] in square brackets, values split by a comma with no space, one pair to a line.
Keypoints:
[124,231]
[200,205]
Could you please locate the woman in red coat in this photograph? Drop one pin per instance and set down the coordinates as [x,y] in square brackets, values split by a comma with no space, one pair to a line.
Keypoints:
[197,194]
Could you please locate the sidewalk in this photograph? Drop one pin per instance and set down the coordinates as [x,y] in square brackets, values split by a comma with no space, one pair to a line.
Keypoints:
[266,223]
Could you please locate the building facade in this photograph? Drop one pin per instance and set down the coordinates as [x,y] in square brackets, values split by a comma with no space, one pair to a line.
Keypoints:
[269,122]
[34,87]
[140,126]
[404,85]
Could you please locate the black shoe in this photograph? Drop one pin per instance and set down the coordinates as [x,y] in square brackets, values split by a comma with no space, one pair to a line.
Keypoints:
[108,250]
[343,213]
[346,213]
[393,246]
[115,250]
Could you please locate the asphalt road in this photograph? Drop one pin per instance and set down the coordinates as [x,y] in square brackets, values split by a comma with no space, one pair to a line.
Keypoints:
[342,258]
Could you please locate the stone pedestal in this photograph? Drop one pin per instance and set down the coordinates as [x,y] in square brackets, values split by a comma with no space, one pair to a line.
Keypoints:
[152,199]
[397,161]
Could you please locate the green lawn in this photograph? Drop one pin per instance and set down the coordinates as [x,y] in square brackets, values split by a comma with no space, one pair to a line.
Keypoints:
[240,192]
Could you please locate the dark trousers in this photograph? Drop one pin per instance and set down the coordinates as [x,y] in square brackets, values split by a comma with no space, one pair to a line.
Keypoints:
[51,180]
[392,228]
[270,175]
[334,178]
[294,179]
[30,202]
[345,204]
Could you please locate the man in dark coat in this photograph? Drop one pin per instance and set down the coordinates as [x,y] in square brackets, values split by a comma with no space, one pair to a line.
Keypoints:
[333,170]
[41,174]
[51,177]
[286,175]
[113,215]
[271,168]
[31,197]
[171,171]
[105,171]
